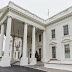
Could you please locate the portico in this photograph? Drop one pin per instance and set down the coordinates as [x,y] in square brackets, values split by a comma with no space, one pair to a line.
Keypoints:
[16,25]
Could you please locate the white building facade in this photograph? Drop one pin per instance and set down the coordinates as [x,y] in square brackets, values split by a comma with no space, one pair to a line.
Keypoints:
[30,39]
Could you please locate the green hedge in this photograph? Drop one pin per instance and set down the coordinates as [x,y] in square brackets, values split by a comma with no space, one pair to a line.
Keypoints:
[0,57]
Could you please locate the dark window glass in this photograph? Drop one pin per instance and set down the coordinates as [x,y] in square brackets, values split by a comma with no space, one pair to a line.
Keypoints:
[66,30]
[30,55]
[53,33]
[53,52]
[40,38]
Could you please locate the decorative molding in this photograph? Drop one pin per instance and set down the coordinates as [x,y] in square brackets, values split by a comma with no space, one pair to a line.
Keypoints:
[66,40]
[15,8]
[53,42]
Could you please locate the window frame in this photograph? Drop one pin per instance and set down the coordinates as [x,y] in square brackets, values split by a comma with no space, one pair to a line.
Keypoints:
[65,52]
[54,53]
[39,37]
[53,35]
[64,31]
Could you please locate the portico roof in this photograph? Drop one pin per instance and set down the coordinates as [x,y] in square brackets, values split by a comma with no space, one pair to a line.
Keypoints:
[12,6]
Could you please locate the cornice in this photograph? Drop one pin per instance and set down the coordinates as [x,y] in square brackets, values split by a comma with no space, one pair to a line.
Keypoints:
[5,12]
[59,16]
[26,16]
[19,10]
[26,13]
[3,9]
[59,19]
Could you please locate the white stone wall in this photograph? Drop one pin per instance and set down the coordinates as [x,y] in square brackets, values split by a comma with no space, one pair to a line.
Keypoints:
[60,39]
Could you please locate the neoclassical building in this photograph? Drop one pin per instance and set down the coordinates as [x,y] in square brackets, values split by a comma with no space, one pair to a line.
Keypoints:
[29,38]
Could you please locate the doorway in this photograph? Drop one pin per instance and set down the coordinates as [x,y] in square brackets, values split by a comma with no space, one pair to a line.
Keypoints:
[40,53]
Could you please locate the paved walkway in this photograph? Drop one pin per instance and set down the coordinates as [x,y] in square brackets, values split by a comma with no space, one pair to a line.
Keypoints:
[18,69]
[40,66]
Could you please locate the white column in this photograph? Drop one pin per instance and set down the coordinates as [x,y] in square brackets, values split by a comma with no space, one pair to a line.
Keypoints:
[33,59]
[24,59]
[1,39]
[13,48]
[44,47]
[6,59]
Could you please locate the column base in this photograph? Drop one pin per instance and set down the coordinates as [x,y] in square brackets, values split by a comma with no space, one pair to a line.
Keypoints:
[33,61]
[5,62]
[24,61]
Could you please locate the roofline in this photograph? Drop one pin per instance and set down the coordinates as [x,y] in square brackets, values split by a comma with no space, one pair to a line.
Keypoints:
[26,10]
[2,9]
[37,18]
[59,12]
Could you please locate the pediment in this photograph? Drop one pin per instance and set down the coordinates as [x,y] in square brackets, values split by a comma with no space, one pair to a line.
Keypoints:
[53,42]
[66,40]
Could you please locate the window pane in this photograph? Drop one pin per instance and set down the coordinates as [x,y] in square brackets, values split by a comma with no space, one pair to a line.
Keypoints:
[53,52]
[53,33]
[66,30]
[67,51]
[39,37]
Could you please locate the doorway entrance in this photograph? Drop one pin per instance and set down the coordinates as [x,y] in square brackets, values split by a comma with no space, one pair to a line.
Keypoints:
[40,53]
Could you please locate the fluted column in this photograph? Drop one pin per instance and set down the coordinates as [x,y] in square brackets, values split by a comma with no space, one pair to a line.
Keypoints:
[6,59]
[1,39]
[24,59]
[33,59]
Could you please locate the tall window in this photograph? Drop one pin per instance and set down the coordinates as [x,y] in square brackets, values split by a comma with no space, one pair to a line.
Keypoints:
[53,52]
[53,33]
[40,38]
[67,51]
[66,32]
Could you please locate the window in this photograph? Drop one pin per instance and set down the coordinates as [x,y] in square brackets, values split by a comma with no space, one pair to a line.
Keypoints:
[53,52]
[30,55]
[40,38]
[53,33]
[67,51]
[66,30]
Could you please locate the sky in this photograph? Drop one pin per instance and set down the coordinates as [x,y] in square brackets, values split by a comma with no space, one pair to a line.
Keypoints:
[41,7]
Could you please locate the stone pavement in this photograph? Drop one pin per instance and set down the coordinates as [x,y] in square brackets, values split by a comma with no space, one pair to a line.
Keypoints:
[40,66]
[18,69]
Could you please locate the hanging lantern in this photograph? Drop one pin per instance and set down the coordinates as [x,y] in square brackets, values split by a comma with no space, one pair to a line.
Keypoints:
[17,46]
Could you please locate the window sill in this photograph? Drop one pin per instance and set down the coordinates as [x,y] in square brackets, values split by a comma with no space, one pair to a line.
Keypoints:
[66,35]
[53,59]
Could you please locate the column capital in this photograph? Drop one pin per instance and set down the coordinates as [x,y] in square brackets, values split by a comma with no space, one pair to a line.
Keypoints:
[34,27]
[26,24]
[10,17]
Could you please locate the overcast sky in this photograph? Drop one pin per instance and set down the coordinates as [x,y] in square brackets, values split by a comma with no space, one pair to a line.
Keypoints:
[40,7]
